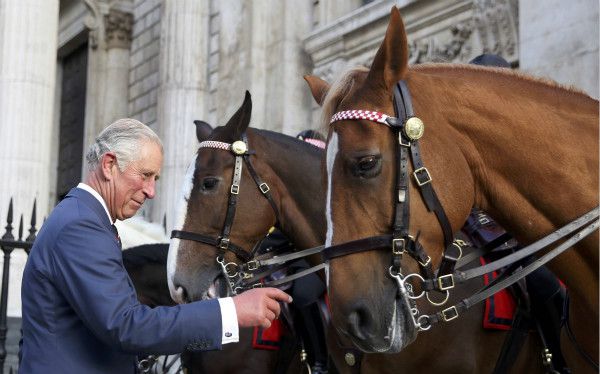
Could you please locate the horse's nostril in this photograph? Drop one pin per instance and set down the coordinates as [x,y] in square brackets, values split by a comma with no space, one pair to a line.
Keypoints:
[359,323]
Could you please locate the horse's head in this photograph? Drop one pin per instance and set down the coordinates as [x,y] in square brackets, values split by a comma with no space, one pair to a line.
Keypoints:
[362,197]
[220,216]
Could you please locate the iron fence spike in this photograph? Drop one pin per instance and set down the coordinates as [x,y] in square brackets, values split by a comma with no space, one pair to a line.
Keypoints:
[9,217]
[32,229]
[33,213]
[8,234]
[21,228]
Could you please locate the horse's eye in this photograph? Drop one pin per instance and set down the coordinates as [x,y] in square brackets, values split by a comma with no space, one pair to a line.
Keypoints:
[367,166]
[209,183]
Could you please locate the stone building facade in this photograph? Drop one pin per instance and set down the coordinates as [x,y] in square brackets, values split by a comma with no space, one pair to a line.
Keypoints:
[70,67]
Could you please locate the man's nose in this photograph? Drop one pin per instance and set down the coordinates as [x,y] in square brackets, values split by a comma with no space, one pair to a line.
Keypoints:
[150,189]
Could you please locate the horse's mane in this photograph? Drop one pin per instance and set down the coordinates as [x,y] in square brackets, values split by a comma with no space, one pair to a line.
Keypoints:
[336,92]
[288,141]
[343,84]
[146,253]
[509,73]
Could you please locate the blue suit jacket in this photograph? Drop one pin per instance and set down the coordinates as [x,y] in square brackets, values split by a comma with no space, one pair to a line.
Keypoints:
[80,311]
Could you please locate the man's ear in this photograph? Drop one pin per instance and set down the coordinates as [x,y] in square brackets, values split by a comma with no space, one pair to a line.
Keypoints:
[108,162]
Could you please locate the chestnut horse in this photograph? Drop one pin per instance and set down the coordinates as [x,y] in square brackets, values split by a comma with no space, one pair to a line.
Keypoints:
[522,149]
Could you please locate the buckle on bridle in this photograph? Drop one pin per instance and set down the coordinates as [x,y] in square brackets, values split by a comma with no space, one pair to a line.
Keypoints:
[252,265]
[401,140]
[235,189]
[445,282]
[223,243]
[264,188]
[449,314]
[427,176]
[426,262]
[398,243]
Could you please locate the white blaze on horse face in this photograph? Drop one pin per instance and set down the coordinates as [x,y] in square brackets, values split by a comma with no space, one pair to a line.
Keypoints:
[332,150]
[180,215]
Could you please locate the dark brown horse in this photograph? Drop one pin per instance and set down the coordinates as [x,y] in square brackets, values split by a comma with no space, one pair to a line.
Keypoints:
[194,273]
[146,265]
[522,149]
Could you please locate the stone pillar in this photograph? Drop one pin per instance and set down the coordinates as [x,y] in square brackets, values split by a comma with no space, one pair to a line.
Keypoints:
[559,40]
[261,50]
[108,66]
[28,42]
[117,26]
[181,94]
[294,98]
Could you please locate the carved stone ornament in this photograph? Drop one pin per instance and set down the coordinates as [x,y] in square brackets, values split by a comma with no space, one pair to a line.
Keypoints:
[492,28]
[432,50]
[118,26]
[91,22]
[497,26]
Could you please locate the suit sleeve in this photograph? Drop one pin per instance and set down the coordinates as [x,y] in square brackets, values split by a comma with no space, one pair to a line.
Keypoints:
[87,267]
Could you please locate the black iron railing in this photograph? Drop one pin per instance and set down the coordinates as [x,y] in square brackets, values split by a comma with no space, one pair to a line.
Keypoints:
[8,243]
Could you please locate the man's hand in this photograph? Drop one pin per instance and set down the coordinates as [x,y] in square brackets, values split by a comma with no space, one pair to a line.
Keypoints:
[259,306]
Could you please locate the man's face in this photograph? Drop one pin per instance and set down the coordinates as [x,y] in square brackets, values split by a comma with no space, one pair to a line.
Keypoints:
[137,182]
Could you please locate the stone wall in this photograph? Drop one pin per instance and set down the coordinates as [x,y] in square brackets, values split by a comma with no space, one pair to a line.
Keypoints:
[559,40]
[143,74]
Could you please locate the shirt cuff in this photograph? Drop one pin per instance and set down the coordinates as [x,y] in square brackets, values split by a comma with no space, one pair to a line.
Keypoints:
[229,321]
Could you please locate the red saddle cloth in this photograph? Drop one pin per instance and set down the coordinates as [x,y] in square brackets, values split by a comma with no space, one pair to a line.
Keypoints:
[270,338]
[499,308]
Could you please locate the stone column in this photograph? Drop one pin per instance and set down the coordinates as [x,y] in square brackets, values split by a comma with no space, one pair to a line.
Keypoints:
[117,26]
[28,42]
[261,50]
[108,66]
[181,94]
[559,40]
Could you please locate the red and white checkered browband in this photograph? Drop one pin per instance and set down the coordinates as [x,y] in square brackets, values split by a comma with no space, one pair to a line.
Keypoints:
[316,142]
[359,114]
[214,144]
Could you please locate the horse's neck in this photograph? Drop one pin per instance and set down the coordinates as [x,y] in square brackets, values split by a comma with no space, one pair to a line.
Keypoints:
[300,195]
[532,149]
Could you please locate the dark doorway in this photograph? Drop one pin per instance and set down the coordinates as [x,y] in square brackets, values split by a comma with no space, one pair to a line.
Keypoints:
[72,114]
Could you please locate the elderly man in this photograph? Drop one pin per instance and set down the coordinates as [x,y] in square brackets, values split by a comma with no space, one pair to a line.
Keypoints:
[80,311]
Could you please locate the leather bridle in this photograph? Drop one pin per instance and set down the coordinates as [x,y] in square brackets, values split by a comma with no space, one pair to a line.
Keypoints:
[239,149]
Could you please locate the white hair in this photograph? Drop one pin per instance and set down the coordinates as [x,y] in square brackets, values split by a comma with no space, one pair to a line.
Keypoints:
[123,137]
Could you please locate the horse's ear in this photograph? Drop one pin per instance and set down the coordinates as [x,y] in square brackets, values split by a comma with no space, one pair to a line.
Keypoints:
[240,121]
[318,87]
[203,130]
[391,61]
